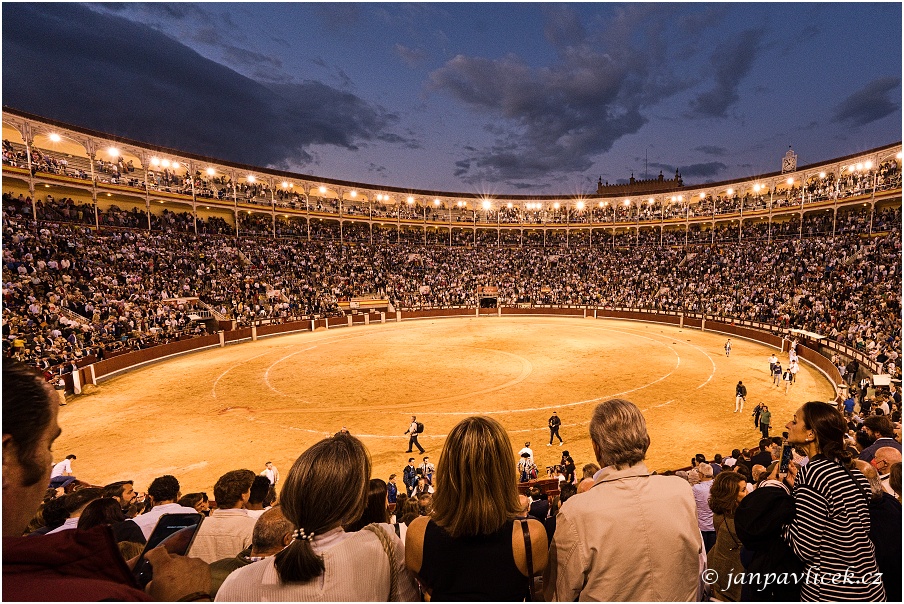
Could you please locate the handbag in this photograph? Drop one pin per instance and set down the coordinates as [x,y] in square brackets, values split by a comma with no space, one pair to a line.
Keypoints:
[389,549]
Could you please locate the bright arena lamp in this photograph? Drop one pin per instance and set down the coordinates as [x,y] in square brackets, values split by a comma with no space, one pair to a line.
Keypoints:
[436,202]
[285,185]
[756,188]
[702,195]
[354,193]
[509,205]
[580,205]
[868,165]
[54,137]
[627,202]
[556,206]
[165,163]
[113,152]
[211,171]
[410,200]
[650,200]
[486,204]
[730,191]
[250,178]
[790,181]
[155,161]
[175,164]
[822,175]
[322,189]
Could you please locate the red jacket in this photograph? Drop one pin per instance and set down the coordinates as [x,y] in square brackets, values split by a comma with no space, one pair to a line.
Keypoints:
[68,566]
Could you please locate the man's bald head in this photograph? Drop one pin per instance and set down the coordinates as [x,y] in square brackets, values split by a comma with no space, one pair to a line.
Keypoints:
[889,455]
[272,532]
[585,485]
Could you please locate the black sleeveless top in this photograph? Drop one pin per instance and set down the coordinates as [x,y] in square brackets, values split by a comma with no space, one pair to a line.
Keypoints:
[476,569]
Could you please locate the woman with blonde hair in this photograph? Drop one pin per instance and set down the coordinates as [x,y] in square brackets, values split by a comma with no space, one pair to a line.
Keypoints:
[472,547]
[326,489]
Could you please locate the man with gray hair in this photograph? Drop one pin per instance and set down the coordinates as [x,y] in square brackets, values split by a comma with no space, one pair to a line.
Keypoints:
[272,533]
[632,535]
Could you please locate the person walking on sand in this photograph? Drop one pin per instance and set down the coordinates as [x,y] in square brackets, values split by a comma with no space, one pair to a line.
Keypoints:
[740,396]
[413,431]
[554,423]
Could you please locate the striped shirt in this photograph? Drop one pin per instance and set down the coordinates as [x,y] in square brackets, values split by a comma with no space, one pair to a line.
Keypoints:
[830,533]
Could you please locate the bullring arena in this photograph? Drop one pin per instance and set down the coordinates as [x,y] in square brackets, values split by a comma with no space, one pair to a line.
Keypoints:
[237,315]
[205,413]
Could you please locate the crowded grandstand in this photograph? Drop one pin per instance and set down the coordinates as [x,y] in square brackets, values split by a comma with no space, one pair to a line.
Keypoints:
[114,248]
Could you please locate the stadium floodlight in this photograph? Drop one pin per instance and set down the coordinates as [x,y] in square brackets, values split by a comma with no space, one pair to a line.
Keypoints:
[822,175]
[790,181]
[354,193]
[898,156]
[486,204]
[650,200]
[509,205]
[731,191]
[285,185]
[603,204]
[165,163]
[211,171]
[859,167]
[379,197]
[868,165]
[851,168]
[556,206]
[436,202]
[580,205]
[54,137]
[702,195]
[756,188]
[410,200]
[155,161]
[250,178]
[175,165]
[627,202]
[322,189]
[681,198]
[113,152]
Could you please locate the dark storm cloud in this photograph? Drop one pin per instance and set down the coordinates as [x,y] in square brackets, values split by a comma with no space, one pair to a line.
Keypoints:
[731,62]
[556,119]
[872,102]
[97,70]
[711,150]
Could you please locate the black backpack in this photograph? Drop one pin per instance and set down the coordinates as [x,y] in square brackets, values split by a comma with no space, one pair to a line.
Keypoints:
[420,428]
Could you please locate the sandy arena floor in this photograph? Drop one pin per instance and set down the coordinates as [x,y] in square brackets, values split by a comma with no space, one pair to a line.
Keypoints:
[205,413]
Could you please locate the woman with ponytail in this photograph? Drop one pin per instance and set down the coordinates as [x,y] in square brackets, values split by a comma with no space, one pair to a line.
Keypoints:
[830,529]
[327,489]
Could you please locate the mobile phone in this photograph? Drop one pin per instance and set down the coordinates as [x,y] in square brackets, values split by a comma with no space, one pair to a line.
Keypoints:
[175,532]
[786,459]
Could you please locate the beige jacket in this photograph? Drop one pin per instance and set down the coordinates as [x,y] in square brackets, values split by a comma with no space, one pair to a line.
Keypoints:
[631,537]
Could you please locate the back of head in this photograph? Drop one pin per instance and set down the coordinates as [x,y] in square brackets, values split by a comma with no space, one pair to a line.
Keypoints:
[566,491]
[706,470]
[77,500]
[164,488]
[894,479]
[192,499]
[476,488]
[589,470]
[259,489]
[27,414]
[375,510]
[619,433]
[105,510]
[325,489]
[829,427]
[723,496]
[270,530]
[231,486]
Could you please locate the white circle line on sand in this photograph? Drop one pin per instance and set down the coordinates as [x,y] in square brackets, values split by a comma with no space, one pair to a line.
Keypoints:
[213,390]
[626,331]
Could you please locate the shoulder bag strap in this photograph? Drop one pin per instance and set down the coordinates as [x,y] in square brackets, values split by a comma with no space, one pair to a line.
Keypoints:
[390,552]
[529,552]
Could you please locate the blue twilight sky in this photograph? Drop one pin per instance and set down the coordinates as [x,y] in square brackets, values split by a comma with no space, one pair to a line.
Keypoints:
[470,97]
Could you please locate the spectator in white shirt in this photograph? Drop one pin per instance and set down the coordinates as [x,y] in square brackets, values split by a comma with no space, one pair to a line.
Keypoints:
[228,529]
[164,492]
[271,473]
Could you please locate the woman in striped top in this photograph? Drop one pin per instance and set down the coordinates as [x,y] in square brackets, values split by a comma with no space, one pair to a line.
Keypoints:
[830,529]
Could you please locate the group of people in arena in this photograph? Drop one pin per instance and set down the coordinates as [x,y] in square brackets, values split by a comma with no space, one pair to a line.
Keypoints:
[782,522]
[71,292]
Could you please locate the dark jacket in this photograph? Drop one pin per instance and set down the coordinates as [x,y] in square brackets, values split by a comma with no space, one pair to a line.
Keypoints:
[885,533]
[221,569]
[758,522]
[67,566]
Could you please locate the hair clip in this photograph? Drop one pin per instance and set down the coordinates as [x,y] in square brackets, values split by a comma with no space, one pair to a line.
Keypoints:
[300,534]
